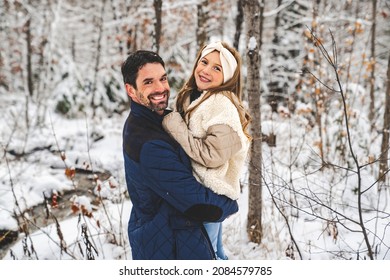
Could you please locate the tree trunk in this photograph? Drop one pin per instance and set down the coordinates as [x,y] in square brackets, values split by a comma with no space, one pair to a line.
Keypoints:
[3,80]
[371,113]
[239,21]
[384,158]
[157,24]
[253,16]
[30,85]
[100,21]
[319,96]
[201,30]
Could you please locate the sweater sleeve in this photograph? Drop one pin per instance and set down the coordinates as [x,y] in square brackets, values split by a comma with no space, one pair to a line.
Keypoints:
[174,182]
[219,144]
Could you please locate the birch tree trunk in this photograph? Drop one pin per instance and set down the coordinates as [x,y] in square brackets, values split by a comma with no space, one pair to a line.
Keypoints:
[253,14]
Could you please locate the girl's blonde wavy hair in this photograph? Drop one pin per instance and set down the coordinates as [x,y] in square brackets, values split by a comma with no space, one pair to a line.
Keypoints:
[231,86]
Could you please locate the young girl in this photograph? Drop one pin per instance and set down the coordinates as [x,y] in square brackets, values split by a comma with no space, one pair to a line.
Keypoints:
[210,123]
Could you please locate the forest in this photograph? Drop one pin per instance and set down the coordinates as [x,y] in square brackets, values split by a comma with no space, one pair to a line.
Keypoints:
[316,83]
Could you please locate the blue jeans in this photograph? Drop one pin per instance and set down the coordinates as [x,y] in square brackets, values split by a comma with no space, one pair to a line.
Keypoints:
[214,231]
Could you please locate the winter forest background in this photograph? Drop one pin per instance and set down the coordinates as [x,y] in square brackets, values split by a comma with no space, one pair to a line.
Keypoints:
[316,82]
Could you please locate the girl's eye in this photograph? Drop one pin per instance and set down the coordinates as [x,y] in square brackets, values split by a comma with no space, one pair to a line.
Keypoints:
[203,61]
[217,69]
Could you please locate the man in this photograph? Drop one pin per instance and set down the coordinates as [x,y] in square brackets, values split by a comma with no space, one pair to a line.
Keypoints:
[169,205]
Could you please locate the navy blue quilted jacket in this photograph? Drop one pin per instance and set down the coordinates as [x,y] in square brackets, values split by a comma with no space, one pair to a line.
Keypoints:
[169,205]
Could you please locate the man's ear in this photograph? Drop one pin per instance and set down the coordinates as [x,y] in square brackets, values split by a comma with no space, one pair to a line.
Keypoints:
[130,91]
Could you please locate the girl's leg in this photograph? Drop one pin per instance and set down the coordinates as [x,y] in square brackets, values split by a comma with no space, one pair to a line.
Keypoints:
[220,251]
[214,231]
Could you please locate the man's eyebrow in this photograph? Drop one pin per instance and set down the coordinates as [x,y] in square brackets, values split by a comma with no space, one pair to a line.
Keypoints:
[147,80]
[151,79]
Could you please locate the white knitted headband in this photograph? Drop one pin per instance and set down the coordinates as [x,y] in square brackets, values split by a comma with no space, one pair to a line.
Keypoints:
[229,63]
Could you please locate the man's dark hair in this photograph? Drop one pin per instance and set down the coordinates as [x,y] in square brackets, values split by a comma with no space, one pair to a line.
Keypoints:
[136,61]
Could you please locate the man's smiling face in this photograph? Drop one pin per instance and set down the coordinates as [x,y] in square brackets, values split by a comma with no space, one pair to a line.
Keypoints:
[152,88]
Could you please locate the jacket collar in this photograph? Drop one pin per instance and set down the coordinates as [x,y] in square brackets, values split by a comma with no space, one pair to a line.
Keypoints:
[141,111]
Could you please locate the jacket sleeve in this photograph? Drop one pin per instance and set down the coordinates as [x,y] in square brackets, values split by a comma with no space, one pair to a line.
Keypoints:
[173,181]
[219,145]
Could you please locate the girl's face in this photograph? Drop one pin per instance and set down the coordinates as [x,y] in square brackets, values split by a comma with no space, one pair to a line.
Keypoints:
[208,73]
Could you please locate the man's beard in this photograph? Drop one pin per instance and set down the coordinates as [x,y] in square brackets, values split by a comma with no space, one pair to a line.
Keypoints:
[158,106]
